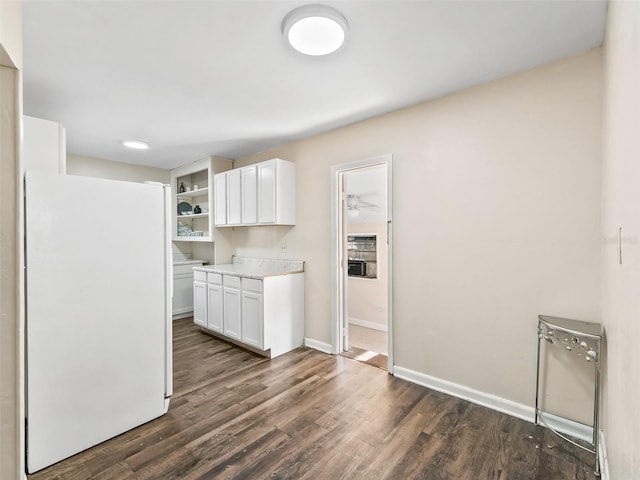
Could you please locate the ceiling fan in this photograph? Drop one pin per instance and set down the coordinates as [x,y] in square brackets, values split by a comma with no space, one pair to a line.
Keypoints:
[355,204]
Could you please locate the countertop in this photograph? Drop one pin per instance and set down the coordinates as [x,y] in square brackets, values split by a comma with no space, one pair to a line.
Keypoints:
[188,262]
[255,268]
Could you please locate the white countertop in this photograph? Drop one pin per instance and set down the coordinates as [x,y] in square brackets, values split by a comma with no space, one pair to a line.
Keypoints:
[257,268]
[188,262]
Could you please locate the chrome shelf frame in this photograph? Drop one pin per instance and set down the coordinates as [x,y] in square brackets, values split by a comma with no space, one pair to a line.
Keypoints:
[581,338]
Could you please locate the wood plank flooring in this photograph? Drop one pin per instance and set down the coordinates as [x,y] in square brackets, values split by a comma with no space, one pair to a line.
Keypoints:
[307,415]
[367,356]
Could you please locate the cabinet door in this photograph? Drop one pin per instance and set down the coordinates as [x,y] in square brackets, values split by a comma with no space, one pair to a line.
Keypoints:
[249,195]
[200,303]
[182,301]
[252,323]
[215,312]
[267,192]
[220,196]
[234,198]
[232,315]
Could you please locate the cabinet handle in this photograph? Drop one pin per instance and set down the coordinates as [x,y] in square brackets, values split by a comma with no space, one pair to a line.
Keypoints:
[620,245]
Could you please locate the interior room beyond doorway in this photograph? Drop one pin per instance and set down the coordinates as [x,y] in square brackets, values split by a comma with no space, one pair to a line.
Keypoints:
[366,251]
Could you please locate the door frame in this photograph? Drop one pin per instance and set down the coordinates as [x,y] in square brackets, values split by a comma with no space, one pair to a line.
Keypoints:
[338,262]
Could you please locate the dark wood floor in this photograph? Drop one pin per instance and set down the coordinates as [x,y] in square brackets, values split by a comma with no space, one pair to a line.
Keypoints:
[316,416]
[366,356]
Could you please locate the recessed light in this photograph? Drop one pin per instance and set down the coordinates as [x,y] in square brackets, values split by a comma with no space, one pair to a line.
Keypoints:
[136,144]
[315,29]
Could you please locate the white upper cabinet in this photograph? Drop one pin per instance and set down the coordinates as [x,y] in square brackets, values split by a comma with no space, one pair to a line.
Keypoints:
[234,198]
[259,194]
[249,195]
[267,191]
[277,192]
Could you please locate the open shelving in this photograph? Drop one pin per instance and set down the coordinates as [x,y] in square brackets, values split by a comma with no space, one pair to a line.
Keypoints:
[186,228]
[197,179]
[201,192]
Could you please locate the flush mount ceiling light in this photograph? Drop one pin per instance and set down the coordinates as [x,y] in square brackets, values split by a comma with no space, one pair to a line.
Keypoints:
[315,29]
[136,144]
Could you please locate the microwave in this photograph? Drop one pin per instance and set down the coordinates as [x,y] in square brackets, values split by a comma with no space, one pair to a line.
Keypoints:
[357,268]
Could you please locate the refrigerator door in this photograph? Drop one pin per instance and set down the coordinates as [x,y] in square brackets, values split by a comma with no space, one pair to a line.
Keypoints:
[168,359]
[96,311]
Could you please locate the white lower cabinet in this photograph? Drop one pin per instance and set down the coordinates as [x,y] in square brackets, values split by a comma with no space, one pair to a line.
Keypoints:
[215,310]
[232,312]
[264,314]
[252,320]
[182,300]
[200,303]
[249,189]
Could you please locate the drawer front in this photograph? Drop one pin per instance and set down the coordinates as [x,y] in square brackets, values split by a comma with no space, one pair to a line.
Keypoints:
[214,278]
[252,285]
[201,276]
[231,281]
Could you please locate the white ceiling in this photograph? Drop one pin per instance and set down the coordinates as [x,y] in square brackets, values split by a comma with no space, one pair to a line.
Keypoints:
[197,78]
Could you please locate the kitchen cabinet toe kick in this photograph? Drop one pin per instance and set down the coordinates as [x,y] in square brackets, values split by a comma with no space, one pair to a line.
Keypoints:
[237,343]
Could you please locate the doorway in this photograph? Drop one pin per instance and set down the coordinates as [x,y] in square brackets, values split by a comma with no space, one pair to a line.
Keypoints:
[362,238]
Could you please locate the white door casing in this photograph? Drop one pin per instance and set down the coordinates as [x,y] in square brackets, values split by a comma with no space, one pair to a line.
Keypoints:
[339,260]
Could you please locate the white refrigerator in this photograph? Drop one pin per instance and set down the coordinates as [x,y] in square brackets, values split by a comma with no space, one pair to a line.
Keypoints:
[98,311]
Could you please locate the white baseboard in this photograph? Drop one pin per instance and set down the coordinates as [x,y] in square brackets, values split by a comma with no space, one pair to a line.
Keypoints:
[566,426]
[485,399]
[318,345]
[367,324]
[604,460]
[515,409]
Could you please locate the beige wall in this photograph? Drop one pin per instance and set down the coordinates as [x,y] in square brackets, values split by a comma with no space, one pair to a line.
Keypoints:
[9,280]
[621,283]
[368,297]
[11,33]
[96,167]
[496,205]
[11,413]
